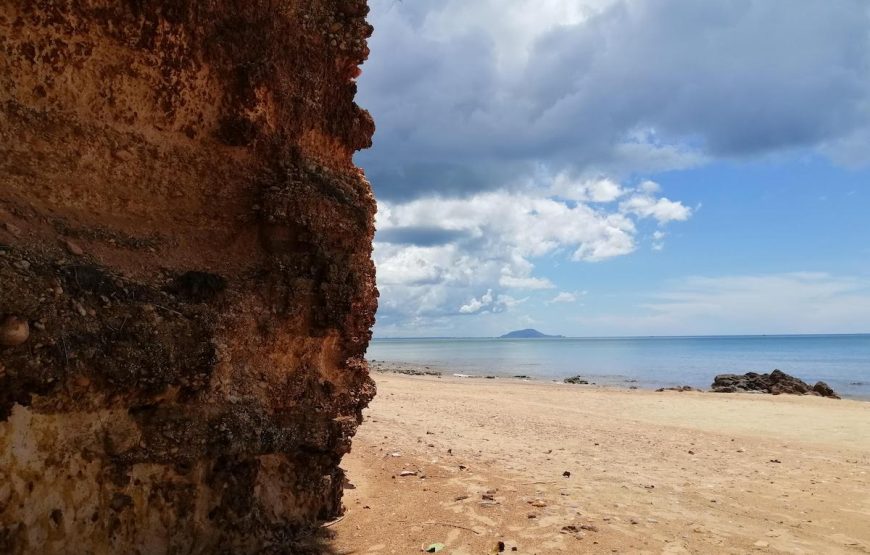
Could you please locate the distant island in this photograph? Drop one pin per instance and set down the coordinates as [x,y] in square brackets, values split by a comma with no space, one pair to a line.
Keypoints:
[528,334]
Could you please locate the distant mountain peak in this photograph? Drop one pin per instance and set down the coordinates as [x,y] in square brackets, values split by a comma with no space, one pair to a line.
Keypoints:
[528,334]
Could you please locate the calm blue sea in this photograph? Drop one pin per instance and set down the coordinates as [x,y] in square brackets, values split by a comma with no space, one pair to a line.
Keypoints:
[843,361]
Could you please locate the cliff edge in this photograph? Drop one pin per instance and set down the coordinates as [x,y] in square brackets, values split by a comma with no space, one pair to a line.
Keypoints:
[186,284]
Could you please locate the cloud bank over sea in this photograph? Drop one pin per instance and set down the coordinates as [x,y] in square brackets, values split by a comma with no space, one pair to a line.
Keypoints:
[513,132]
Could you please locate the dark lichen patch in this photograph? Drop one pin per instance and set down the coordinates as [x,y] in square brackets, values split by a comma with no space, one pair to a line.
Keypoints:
[82,279]
[115,238]
[99,331]
[56,517]
[147,355]
[197,287]
[237,130]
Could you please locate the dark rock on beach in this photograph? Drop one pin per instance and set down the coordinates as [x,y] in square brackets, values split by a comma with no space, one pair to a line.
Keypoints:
[403,369]
[416,372]
[680,388]
[775,383]
[576,380]
[825,390]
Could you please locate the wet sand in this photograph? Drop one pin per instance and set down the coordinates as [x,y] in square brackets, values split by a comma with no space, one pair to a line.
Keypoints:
[485,461]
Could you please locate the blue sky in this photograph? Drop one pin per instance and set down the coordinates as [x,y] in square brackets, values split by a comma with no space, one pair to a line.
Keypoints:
[620,167]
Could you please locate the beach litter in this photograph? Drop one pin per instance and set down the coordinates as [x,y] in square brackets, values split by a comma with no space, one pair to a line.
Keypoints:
[573,531]
[434,548]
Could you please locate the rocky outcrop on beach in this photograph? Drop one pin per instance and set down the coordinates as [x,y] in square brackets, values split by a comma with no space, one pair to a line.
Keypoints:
[186,284]
[776,383]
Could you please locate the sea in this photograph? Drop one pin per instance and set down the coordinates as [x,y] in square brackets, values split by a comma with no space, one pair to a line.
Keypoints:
[842,361]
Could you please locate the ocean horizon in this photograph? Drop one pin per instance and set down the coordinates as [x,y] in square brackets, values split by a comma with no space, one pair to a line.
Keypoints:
[412,337]
[840,360]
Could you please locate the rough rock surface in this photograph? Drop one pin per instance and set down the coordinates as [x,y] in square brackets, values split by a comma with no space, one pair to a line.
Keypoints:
[777,383]
[186,285]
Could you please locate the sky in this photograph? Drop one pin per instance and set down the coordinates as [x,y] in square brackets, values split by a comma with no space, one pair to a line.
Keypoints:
[620,167]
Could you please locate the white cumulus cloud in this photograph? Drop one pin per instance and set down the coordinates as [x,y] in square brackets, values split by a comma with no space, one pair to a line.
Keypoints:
[564,297]
[435,255]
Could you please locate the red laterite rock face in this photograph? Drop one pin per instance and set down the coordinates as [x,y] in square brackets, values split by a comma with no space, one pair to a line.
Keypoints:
[186,284]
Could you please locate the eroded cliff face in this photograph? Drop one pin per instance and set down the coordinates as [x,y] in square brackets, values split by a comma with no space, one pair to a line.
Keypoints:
[186,287]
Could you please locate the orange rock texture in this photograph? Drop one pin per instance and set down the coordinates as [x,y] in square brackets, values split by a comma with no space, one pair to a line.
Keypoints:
[186,284]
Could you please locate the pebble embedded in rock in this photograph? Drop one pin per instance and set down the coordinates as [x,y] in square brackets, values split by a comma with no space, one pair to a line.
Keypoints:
[73,248]
[14,331]
[123,155]
[13,229]
[120,502]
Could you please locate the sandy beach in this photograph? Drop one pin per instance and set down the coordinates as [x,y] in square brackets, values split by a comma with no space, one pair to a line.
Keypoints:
[553,468]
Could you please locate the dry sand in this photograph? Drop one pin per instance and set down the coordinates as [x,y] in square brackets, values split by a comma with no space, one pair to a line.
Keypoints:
[649,472]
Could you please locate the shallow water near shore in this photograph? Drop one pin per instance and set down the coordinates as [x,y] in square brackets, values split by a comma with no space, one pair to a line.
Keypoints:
[843,361]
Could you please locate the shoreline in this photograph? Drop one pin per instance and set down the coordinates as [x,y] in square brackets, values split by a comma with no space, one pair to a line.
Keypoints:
[545,469]
[603,383]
